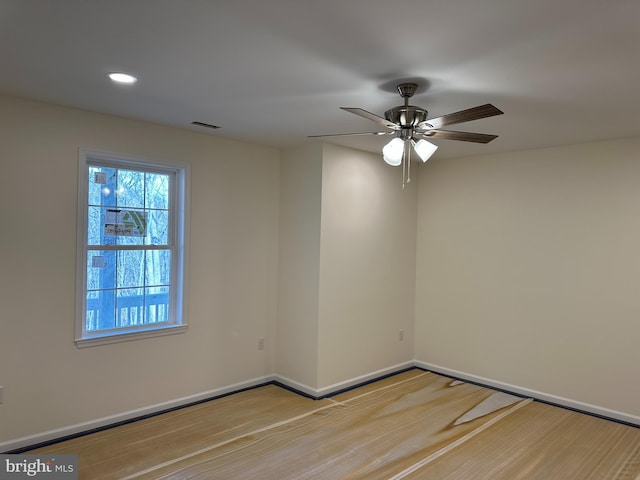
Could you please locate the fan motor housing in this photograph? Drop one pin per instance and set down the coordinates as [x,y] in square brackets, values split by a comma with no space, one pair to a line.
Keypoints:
[406,116]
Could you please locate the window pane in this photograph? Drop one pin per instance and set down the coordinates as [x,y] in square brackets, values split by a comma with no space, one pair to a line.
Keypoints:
[102,185]
[157,299]
[158,267]
[130,307]
[110,225]
[132,226]
[130,268]
[157,191]
[157,227]
[130,189]
[129,240]
[101,269]
[100,314]
[95,226]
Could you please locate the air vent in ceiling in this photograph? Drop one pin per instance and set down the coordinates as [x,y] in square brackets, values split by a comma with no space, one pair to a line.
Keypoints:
[206,125]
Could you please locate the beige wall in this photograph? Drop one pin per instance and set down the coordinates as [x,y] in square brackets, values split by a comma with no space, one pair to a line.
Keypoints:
[299,275]
[529,270]
[367,266]
[49,383]
[347,267]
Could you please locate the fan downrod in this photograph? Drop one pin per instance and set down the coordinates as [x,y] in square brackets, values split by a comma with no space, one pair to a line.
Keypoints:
[407,117]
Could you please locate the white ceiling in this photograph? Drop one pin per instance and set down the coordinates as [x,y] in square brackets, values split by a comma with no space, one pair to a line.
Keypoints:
[274,71]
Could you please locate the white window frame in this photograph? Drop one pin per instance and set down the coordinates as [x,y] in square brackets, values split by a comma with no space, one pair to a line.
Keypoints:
[180,234]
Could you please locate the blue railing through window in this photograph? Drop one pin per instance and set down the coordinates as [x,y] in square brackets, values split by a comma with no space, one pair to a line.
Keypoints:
[129,312]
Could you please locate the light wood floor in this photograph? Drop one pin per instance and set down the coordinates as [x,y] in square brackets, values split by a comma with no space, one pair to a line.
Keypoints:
[414,425]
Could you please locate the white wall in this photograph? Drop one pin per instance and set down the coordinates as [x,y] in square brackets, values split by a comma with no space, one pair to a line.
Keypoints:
[529,270]
[49,383]
[367,266]
[299,267]
[347,267]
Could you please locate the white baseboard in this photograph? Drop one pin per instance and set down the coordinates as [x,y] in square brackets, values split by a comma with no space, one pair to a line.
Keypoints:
[545,397]
[336,387]
[296,386]
[132,414]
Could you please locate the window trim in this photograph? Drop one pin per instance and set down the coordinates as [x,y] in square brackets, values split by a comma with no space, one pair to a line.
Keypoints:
[180,227]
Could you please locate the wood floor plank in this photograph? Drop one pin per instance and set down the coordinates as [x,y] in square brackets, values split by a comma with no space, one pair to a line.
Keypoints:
[368,435]
[377,385]
[118,452]
[543,442]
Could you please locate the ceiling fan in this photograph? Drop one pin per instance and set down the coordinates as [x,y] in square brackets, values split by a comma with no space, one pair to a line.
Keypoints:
[409,124]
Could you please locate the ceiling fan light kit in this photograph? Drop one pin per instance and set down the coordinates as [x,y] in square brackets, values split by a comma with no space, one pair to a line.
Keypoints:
[424,149]
[410,125]
[393,152]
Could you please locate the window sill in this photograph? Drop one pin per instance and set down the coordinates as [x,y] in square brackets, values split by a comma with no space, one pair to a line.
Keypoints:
[129,336]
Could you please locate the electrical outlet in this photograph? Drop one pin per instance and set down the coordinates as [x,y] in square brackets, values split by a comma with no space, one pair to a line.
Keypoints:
[401,336]
[261,344]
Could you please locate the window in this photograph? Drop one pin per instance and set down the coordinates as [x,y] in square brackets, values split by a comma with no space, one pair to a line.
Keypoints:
[132,226]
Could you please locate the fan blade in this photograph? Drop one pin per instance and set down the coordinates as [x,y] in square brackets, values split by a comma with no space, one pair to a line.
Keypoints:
[372,116]
[462,136]
[345,134]
[475,113]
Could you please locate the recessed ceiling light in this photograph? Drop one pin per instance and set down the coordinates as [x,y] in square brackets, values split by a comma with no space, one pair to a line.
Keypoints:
[120,77]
